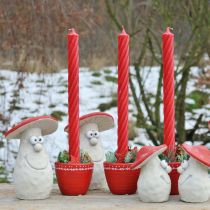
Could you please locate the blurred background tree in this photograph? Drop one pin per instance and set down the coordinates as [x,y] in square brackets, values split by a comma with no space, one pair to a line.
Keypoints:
[145,21]
[33,39]
[33,33]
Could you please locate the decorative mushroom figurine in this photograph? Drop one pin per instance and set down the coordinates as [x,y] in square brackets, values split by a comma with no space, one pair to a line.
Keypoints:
[33,175]
[90,141]
[194,182]
[154,184]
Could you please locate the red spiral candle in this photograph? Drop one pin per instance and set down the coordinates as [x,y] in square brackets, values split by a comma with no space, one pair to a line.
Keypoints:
[123,81]
[168,89]
[73,94]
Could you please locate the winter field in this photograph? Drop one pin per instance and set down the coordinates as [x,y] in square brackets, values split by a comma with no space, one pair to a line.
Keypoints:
[30,94]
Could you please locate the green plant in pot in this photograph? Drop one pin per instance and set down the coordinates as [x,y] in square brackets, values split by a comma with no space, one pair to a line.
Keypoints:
[120,177]
[74,177]
[174,159]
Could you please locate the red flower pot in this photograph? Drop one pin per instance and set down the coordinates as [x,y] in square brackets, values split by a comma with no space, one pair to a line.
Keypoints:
[73,178]
[174,175]
[120,178]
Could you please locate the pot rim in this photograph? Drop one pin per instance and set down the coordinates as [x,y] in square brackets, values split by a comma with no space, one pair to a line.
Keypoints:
[118,166]
[73,166]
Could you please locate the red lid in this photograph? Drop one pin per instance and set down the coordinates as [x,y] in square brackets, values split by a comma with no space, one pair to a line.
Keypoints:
[200,153]
[103,120]
[146,153]
[47,124]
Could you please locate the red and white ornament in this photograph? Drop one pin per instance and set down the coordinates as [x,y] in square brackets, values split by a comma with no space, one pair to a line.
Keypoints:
[194,182]
[33,175]
[154,184]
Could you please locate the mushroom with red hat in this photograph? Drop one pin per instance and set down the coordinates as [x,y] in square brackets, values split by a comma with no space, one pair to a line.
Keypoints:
[194,182]
[154,184]
[33,175]
[90,141]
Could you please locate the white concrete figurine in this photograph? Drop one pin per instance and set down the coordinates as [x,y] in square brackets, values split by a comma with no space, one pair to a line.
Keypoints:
[90,127]
[194,182]
[33,175]
[154,184]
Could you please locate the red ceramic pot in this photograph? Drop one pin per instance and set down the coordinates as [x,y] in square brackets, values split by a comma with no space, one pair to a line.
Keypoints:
[174,175]
[73,178]
[121,178]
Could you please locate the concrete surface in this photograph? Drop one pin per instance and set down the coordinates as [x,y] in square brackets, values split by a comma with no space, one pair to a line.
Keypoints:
[94,200]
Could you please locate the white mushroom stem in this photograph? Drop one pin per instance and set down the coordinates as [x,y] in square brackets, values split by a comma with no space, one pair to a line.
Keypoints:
[194,182]
[154,184]
[33,176]
[95,149]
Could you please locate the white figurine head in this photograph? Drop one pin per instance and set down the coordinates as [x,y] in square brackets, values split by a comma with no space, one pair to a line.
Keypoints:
[154,184]
[45,124]
[147,153]
[199,153]
[30,132]
[194,179]
[90,127]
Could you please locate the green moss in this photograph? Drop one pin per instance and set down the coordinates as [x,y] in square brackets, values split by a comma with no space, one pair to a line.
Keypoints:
[3,78]
[96,74]
[200,98]
[52,106]
[96,82]
[102,96]
[107,71]
[105,106]
[54,180]
[14,107]
[63,157]
[16,94]
[1,144]
[58,114]
[62,91]
[38,102]
[110,157]
[49,86]
[3,175]
[40,81]
[131,155]
[111,79]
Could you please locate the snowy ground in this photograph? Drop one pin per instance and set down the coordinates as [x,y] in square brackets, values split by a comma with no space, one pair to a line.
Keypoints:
[45,93]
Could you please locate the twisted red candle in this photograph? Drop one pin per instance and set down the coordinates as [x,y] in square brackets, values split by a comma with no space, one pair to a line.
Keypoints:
[73,94]
[168,89]
[123,81]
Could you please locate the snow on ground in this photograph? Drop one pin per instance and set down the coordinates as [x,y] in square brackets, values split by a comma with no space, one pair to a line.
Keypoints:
[42,94]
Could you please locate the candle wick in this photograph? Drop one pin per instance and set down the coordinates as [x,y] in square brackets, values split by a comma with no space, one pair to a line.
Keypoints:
[168,29]
[71,31]
[123,30]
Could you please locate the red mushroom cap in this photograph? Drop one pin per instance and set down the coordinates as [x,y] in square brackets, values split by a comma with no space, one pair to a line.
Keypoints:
[47,124]
[199,152]
[103,120]
[146,153]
